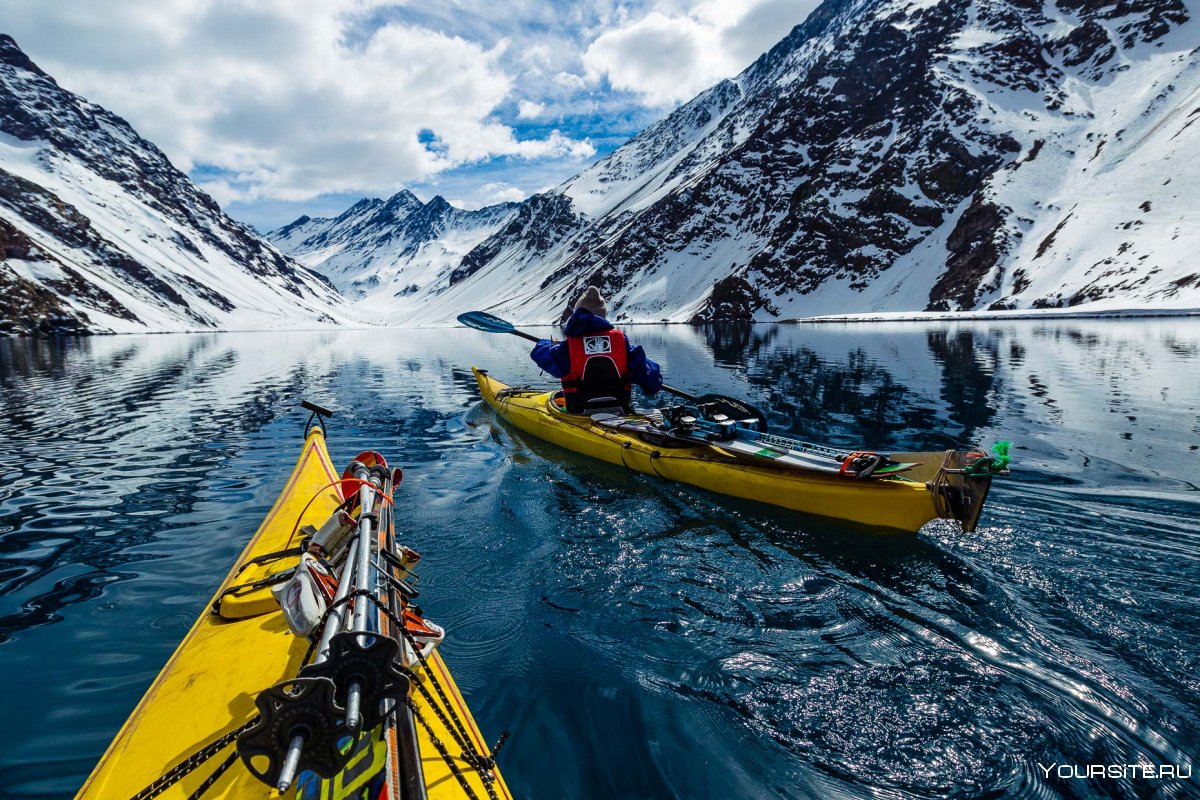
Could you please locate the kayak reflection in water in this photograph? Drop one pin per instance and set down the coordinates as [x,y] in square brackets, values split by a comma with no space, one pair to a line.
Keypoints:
[596,361]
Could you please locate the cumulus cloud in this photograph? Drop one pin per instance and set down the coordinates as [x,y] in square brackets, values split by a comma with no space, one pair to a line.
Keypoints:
[529,110]
[556,144]
[669,55]
[500,193]
[570,81]
[285,99]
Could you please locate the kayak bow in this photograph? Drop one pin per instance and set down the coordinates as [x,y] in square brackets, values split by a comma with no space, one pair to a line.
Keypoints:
[193,733]
[936,485]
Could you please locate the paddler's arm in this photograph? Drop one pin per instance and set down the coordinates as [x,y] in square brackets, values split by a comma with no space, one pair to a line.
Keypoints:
[644,372]
[552,357]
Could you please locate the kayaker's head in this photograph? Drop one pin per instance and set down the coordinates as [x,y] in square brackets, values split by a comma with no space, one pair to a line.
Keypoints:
[592,301]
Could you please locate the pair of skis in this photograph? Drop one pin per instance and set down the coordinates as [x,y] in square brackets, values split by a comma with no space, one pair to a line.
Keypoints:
[742,441]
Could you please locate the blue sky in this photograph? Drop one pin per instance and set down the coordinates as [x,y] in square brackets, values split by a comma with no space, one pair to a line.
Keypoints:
[284,107]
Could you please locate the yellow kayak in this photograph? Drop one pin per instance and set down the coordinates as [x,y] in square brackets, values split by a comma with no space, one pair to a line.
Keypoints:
[936,487]
[198,730]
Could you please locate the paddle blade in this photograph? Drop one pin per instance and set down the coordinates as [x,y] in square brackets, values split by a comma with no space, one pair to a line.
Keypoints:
[483,321]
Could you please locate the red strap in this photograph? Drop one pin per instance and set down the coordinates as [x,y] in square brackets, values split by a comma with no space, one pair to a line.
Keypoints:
[850,459]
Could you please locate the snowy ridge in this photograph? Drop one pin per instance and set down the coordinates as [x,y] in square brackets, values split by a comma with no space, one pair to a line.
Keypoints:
[379,252]
[887,157]
[98,232]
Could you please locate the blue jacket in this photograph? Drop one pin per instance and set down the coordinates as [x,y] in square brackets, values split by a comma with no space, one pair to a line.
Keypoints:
[555,358]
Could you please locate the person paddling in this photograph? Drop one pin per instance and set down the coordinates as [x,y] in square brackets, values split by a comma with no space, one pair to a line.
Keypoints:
[596,360]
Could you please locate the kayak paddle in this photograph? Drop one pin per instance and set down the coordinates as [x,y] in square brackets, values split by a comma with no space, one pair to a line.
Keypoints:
[490,323]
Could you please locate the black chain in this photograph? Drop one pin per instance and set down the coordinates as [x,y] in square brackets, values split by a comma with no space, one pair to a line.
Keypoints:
[483,765]
[208,782]
[469,753]
[458,730]
[192,763]
[445,754]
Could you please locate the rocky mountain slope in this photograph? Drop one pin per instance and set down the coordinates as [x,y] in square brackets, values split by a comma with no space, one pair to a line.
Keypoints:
[887,155]
[379,251]
[98,232]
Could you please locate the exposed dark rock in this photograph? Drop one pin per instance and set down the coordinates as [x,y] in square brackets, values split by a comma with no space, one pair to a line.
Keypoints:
[288,229]
[1139,20]
[540,222]
[1087,44]
[1048,242]
[975,249]
[209,295]
[732,299]
[26,307]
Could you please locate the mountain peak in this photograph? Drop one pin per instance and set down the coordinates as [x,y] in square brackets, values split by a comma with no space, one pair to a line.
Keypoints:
[12,55]
[401,199]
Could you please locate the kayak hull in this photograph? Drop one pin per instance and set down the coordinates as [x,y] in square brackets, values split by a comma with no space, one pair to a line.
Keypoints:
[899,504]
[209,685]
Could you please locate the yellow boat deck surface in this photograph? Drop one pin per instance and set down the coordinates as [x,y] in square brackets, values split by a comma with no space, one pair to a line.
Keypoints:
[208,687]
[895,504]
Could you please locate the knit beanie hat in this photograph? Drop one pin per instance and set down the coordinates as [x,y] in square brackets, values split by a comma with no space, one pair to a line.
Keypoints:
[593,302]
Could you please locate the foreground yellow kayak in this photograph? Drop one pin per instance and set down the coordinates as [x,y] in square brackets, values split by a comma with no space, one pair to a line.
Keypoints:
[211,719]
[937,486]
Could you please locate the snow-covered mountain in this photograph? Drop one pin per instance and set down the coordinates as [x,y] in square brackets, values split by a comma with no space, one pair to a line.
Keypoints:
[380,251]
[887,155]
[98,231]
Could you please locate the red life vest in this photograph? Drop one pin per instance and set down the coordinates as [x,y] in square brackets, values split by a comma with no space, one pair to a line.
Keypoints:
[587,350]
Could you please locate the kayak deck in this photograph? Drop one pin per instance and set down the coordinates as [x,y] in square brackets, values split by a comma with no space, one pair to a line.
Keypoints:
[901,503]
[208,687]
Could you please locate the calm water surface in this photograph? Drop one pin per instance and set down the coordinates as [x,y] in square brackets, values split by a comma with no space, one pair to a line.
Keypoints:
[643,639]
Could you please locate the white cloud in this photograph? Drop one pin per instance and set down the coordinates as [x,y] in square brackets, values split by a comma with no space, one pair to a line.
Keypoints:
[501,192]
[529,110]
[570,81]
[287,99]
[539,57]
[669,55]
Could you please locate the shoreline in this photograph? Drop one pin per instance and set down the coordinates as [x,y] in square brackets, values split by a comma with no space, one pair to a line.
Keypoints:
[991,316]
[828,319]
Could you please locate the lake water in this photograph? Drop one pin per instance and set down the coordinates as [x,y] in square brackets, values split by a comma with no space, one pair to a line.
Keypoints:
[643,639]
